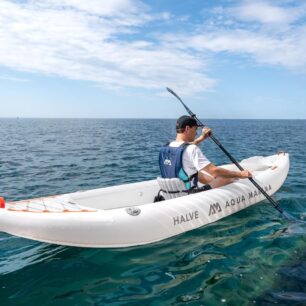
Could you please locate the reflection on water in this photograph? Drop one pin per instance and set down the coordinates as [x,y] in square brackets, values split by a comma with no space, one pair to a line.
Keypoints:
[16,255]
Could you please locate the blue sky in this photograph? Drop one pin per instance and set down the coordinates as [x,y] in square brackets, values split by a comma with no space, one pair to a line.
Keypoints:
[113,59]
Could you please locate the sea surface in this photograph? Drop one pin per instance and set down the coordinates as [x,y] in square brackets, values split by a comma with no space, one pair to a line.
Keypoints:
[254,257]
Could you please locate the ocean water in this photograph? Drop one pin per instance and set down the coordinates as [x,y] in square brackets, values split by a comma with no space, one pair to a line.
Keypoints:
[254,257]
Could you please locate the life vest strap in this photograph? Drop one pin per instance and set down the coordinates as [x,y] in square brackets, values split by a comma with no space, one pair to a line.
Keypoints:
[174,188]
[173,192]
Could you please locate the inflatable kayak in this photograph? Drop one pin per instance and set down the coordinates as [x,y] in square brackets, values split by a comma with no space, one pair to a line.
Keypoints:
[126,215]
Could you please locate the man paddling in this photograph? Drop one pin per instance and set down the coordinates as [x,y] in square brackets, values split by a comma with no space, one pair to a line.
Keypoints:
[182,158]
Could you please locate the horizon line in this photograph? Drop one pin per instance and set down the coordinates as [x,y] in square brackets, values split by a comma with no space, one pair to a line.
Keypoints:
[147,118]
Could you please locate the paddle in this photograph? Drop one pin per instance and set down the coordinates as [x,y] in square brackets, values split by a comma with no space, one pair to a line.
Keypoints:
[217,142]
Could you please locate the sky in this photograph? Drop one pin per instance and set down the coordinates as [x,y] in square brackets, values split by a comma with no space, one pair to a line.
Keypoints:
[233,59]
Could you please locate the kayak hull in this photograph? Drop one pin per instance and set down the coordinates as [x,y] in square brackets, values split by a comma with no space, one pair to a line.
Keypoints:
[125,215]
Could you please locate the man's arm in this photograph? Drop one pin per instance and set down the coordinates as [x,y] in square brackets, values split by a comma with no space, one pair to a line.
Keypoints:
[206,132]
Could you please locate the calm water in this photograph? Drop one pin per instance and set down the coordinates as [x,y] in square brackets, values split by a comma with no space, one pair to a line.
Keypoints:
[253,257]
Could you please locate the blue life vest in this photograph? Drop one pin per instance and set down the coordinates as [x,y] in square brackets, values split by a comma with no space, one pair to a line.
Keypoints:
[171,164]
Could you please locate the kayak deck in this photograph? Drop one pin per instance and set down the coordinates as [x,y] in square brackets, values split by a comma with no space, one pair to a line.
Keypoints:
[134,194]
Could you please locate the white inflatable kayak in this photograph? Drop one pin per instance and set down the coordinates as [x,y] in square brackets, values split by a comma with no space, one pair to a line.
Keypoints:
[125,215]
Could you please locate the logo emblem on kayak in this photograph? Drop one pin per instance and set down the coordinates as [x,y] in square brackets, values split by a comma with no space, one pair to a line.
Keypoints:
[167,162]
[133,211]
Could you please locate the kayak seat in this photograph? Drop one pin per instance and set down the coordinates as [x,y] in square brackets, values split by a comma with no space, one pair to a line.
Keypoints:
[171,188]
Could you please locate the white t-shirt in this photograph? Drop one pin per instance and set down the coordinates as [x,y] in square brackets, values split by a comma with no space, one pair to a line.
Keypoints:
[193,158]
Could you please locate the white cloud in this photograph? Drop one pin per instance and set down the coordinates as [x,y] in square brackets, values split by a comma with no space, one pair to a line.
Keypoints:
[10,78]
[95,7]
[94,40]
[111,43]
[265,12]
[272,35]
[287,51]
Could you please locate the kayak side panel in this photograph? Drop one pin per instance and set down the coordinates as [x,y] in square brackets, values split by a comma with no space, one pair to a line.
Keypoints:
[155,221]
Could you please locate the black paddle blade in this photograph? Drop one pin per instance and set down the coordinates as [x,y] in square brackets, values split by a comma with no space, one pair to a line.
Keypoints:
[172,92]
[186,107]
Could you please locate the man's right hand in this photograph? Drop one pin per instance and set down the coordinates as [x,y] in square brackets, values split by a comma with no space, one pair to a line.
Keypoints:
[206,132]
[245,174]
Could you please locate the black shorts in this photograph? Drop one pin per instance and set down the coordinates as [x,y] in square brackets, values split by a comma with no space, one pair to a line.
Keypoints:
[205,187]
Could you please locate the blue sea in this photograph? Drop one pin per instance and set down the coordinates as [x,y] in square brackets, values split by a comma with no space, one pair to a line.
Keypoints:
[254,257]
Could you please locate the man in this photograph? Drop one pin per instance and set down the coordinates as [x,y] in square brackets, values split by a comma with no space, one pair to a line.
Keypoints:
[183,159]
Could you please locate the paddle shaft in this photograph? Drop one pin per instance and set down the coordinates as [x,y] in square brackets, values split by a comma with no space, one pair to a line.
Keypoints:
[217,142]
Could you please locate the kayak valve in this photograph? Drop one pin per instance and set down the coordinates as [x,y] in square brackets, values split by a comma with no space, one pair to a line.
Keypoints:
[2,203]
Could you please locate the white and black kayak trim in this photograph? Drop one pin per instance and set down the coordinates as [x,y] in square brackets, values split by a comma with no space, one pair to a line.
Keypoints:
[125,215]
